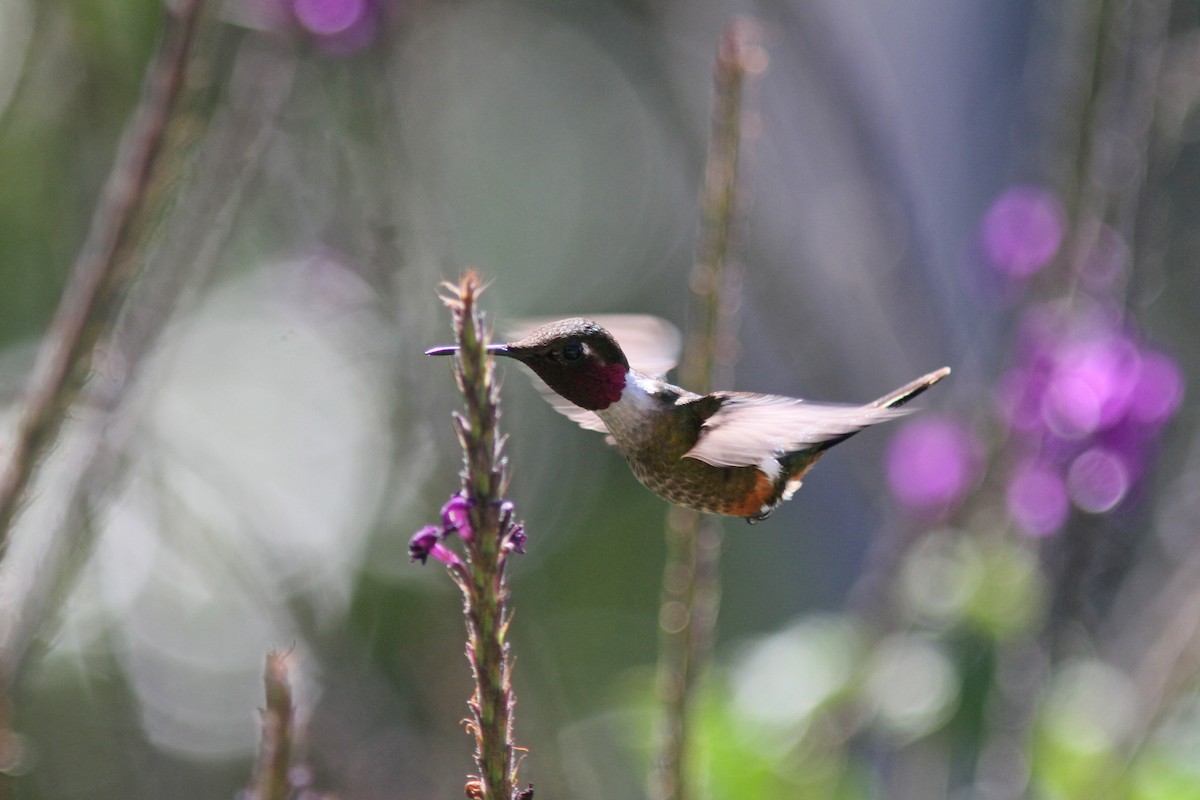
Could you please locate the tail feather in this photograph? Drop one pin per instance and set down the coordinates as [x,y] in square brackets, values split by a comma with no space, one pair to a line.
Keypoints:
[889,401]
[908,391]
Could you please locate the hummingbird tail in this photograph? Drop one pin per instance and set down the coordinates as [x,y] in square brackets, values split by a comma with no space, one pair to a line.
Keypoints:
[910,390]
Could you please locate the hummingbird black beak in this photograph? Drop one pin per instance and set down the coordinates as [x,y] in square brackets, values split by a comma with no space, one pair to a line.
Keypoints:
[451,349]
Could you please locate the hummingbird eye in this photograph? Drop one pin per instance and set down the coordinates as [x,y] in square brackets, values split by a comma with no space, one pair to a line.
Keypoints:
[572,351]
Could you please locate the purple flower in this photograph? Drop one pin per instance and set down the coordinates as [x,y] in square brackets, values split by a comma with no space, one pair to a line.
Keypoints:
[339,26]
[931,463]
[1037,499]
[445,555]
[328,17]
[421,545]
[456,516]
[1091,384]
[516,539]
[1023,230]
[1158,391]
[428,542]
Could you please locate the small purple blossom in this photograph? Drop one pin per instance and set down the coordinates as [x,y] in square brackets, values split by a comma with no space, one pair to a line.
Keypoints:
[445,555]
[456,517]
[1023,230]
[427,542]
[1037,499]
[931,463]
[516,539]
[421,545]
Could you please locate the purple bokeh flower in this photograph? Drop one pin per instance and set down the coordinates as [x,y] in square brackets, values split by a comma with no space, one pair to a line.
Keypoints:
[1037,499]
[339,27]
[1158,391]
[1097,480]
[931,463]
[1086,401]
[1090,385]
[1023,230]
[328,17]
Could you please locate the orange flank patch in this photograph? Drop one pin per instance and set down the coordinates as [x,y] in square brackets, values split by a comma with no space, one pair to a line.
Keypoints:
[761,494]
[767,493]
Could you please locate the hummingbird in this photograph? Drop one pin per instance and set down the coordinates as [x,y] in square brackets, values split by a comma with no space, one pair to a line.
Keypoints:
[730,453]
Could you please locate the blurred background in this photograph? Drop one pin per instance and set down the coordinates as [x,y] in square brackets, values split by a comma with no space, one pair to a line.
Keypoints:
[997,599]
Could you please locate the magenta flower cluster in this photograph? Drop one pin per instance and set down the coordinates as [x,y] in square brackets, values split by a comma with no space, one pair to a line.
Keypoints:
[456,519]
[1085,404]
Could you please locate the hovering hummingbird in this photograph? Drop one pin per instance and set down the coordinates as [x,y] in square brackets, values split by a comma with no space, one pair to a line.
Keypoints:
[733,453]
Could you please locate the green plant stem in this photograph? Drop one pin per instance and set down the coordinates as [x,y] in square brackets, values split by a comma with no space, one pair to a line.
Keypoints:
[484,590]
[94,296]
[691,586]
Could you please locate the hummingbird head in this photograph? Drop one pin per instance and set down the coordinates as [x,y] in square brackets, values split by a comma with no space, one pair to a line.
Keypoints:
[577,358]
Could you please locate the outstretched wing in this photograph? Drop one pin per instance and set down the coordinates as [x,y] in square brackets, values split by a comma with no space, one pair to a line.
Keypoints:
[749,428]
[651,344]
[588,420]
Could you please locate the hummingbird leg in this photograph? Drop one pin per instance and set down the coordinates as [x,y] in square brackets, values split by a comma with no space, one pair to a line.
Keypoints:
[754,519]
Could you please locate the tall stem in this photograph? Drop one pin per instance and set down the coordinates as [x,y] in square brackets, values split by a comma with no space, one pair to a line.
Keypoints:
[93,298]
[271,780]
[691,585]
[105,267]
[482,583]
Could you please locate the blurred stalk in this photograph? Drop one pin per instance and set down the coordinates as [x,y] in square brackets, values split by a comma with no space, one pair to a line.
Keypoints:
[226,161]
[271,772]
[105,267]
[482,581]
[691,587]
[134,194]
[1114,132]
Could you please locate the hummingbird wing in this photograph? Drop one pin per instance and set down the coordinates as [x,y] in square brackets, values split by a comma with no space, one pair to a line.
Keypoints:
[651,345]
[588,420]
[748,429]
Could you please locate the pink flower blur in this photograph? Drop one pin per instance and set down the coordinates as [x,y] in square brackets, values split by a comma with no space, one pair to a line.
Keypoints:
[1023,230]
[931,463]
